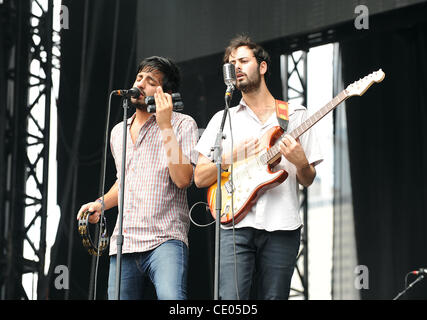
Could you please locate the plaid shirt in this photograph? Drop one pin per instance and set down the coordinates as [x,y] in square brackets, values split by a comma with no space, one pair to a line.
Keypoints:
[155,209]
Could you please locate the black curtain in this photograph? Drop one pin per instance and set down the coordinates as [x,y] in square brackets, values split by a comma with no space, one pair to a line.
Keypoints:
[96,57]
[387,136]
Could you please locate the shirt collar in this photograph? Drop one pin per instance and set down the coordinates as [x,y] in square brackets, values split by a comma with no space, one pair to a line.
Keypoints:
[130,120]
[242,105]
[292,107]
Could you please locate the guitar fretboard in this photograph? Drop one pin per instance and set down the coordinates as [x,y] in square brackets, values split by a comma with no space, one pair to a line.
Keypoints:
[273,153]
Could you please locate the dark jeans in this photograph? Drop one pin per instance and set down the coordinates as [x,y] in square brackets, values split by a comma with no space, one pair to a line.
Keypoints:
[265,263]
[166,267]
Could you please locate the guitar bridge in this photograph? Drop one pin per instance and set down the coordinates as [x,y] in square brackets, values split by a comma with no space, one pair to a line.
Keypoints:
[229,187]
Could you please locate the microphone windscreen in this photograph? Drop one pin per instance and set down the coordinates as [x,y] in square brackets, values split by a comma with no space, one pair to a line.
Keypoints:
[134,92]
[229,73]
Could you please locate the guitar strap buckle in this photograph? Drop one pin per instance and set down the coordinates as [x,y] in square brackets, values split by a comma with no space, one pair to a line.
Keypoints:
[282,114]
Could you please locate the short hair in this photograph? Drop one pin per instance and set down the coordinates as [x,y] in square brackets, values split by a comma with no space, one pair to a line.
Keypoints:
[243,40]
[171,74]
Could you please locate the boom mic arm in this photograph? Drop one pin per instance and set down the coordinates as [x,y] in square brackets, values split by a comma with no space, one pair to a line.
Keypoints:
[133,92]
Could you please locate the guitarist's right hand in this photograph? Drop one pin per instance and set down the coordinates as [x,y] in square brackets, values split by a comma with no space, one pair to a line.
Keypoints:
[243,150]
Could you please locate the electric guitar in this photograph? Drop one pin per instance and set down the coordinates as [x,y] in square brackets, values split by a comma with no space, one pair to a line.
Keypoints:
[253,176]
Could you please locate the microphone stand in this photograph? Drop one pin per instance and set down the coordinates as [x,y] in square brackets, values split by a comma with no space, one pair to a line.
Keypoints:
[418,279]
[217,157]
[121,204]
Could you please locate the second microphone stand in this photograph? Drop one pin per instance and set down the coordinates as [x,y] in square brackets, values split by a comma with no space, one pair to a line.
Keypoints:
[217,157]
[418,279]
[121,202]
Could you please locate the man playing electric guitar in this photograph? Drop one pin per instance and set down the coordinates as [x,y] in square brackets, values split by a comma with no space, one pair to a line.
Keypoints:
[267,227]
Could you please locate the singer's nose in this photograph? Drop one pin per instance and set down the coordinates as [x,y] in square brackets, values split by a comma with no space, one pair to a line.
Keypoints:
[237,67]
[234,63]
[140,84]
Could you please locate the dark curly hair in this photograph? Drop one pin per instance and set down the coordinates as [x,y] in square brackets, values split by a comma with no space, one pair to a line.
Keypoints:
[243,40]
[171,74]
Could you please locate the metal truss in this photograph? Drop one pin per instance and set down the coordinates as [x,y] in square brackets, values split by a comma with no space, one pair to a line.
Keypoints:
[25,128]
[294,79]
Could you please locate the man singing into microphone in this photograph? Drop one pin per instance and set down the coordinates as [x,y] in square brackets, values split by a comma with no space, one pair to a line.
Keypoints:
[160,159]
[260,253]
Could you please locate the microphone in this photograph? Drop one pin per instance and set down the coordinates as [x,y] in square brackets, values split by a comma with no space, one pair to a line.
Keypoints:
[134,93]
[177,104]
[229,73]
[419,271]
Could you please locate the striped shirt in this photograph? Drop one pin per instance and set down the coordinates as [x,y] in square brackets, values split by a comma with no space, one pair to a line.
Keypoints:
[155,209]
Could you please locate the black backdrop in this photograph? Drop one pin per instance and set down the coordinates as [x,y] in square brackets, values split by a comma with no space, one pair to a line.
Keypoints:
[386,136]
[86,77]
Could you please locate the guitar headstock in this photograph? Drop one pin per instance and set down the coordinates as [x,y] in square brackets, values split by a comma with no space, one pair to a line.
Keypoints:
[360,87]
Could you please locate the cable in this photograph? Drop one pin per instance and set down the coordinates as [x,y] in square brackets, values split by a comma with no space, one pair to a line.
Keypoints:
[407,287]
[200,225]
[232,206]
[406,280]
[103,169]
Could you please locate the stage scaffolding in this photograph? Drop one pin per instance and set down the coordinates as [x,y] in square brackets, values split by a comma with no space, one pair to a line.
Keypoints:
[26,66]
[294,79]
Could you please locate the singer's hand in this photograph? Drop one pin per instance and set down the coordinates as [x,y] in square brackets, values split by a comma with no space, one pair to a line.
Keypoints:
[164,108]
[94,207]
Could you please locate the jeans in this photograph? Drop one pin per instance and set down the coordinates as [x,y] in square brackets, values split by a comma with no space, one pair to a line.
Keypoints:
[165,266]
[265,263]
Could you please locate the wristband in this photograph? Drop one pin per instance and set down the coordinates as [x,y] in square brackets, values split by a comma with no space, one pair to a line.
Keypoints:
[100,201]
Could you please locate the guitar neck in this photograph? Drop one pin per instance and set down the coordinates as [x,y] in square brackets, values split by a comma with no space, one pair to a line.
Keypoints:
[273,153]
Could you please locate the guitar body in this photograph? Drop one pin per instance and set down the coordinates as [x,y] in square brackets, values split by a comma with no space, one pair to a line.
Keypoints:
[250,179]
[253,176]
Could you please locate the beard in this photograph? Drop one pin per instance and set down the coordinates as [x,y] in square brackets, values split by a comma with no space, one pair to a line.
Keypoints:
[141,105]
[250,84]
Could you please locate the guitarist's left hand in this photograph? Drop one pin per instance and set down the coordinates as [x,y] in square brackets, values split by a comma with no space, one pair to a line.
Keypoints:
[292,150]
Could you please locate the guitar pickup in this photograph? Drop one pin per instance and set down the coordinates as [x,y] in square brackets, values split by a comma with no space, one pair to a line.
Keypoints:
[229,187]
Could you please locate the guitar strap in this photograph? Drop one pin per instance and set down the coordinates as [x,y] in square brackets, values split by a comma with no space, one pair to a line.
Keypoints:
[282,114]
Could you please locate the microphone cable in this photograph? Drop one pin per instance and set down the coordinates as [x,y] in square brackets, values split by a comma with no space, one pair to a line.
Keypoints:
[102,186]
[232,206]
[407,287]
[229,73]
